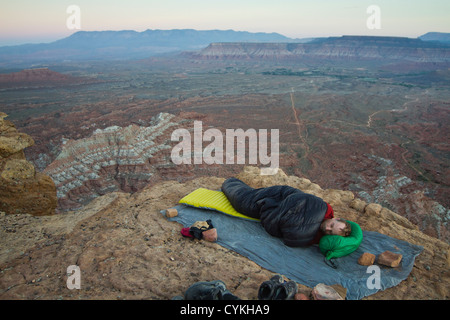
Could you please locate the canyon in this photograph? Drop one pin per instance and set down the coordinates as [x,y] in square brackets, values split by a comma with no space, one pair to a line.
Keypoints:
[86,144]
[347,117]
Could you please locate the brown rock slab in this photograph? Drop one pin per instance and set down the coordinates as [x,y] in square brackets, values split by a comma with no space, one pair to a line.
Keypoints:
[390,259]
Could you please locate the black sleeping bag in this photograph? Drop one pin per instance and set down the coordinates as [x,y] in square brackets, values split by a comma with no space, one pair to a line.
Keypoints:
[284,211]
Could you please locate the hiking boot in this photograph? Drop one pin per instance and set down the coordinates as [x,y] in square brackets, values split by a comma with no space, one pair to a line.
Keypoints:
[267,288]
[285,291]
[227,295]
[211,290]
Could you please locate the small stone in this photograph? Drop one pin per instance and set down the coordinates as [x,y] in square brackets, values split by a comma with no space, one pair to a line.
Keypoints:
[170,213]
[210,235]
[300,296]
[366,259]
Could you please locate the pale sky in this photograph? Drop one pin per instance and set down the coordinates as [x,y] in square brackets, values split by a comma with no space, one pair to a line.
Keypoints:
[35,21]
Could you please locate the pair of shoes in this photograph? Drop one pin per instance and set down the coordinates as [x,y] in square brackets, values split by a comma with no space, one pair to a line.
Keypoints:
[267,288]
[277,289]
[285,291]
[212,290]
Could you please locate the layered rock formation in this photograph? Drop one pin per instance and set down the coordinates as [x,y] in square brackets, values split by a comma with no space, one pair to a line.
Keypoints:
[346,47]
[111,159]
[126,249]
[22,189]
[404,196]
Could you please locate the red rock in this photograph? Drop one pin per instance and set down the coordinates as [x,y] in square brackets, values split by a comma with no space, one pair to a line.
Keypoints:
[39,77]
[300,296]
[210,235]
[390,259]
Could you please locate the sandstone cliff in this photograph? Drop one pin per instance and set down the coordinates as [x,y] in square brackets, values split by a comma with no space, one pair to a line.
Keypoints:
[126,249]
[22,189]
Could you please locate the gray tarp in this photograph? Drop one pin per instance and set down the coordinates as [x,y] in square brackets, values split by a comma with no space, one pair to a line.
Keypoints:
[306,265]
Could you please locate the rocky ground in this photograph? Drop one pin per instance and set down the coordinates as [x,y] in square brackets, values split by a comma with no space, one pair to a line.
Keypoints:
[127,249]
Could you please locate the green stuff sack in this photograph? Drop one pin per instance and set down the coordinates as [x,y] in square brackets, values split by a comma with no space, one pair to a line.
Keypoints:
[334,246]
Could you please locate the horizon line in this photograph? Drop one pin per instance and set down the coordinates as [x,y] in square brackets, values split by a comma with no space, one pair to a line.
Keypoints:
[191,29]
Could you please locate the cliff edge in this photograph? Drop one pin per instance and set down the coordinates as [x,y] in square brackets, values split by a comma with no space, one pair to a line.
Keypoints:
[126,249]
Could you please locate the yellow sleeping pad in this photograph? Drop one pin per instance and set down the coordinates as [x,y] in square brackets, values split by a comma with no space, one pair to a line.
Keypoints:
[215,200]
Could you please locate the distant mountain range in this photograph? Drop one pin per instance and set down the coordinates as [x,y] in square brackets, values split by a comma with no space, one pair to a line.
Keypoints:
[436,36]
[125,45]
